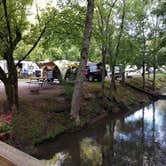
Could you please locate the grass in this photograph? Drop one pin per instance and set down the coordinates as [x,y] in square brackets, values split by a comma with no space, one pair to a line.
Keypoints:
[160,82]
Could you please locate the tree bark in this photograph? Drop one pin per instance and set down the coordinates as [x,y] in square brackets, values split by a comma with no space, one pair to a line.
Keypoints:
[11,90]
[123,74]
[143,55]
[11,85]
[143,75]
[103,69]
[10,80]
[77,94]
[113,84]
[154,77]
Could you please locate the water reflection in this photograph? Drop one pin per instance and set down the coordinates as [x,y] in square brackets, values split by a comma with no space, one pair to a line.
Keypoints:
[138,139]
[91,153]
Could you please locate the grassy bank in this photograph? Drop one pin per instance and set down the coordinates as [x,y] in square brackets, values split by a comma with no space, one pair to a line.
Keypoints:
[160,82]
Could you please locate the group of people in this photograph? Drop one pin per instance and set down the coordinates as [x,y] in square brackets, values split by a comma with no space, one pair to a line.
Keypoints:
[51,74]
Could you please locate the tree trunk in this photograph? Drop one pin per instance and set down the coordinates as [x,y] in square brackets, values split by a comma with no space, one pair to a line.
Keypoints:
[11,89]
[12,96]
[113,83]
[148,73]
[123,74]
[77,94]
[154,78]
[103,70]
[113,78]
[143,75]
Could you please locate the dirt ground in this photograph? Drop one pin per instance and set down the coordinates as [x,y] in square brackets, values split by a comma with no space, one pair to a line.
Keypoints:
[27,90]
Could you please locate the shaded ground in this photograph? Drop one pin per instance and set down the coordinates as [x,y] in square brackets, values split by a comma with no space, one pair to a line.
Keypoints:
[28,93]
[25,90]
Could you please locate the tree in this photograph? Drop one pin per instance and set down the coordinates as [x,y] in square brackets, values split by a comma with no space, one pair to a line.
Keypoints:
[156,42]
[10,37]
[13,24]
[103,14]
[65,31]
[77,94]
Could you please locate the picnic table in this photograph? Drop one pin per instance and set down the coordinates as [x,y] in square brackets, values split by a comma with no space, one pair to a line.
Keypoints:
[41,82]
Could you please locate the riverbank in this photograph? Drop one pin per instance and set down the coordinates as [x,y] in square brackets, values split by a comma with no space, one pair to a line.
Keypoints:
[43,117]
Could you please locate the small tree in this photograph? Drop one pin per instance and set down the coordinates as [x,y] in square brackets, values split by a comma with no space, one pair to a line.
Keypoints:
[103,13]
[77,94]
[13,24]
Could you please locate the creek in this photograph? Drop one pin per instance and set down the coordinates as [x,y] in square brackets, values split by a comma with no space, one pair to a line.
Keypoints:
[136,139]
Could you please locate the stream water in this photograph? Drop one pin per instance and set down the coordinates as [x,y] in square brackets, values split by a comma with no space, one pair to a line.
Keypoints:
[138,139]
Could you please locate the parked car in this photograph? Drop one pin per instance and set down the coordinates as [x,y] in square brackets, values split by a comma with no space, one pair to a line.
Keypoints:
[118,72]
[93,72]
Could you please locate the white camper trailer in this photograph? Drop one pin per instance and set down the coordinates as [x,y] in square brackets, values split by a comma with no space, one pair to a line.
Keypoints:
[29,66]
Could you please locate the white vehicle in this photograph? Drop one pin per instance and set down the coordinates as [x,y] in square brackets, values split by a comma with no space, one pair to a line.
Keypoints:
[3,65]
[131,71]
[29,66]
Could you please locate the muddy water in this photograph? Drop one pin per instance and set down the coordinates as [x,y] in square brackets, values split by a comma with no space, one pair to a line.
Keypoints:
[134,140]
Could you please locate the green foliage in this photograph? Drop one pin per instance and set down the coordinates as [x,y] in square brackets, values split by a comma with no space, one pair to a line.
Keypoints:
[5,128]
[91,153]
[17,20]
[65,31]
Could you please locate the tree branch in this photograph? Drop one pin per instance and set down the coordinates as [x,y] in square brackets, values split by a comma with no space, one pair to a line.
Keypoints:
[109,14]
[7,23]
[18,38]
[37,10]
[35,44]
